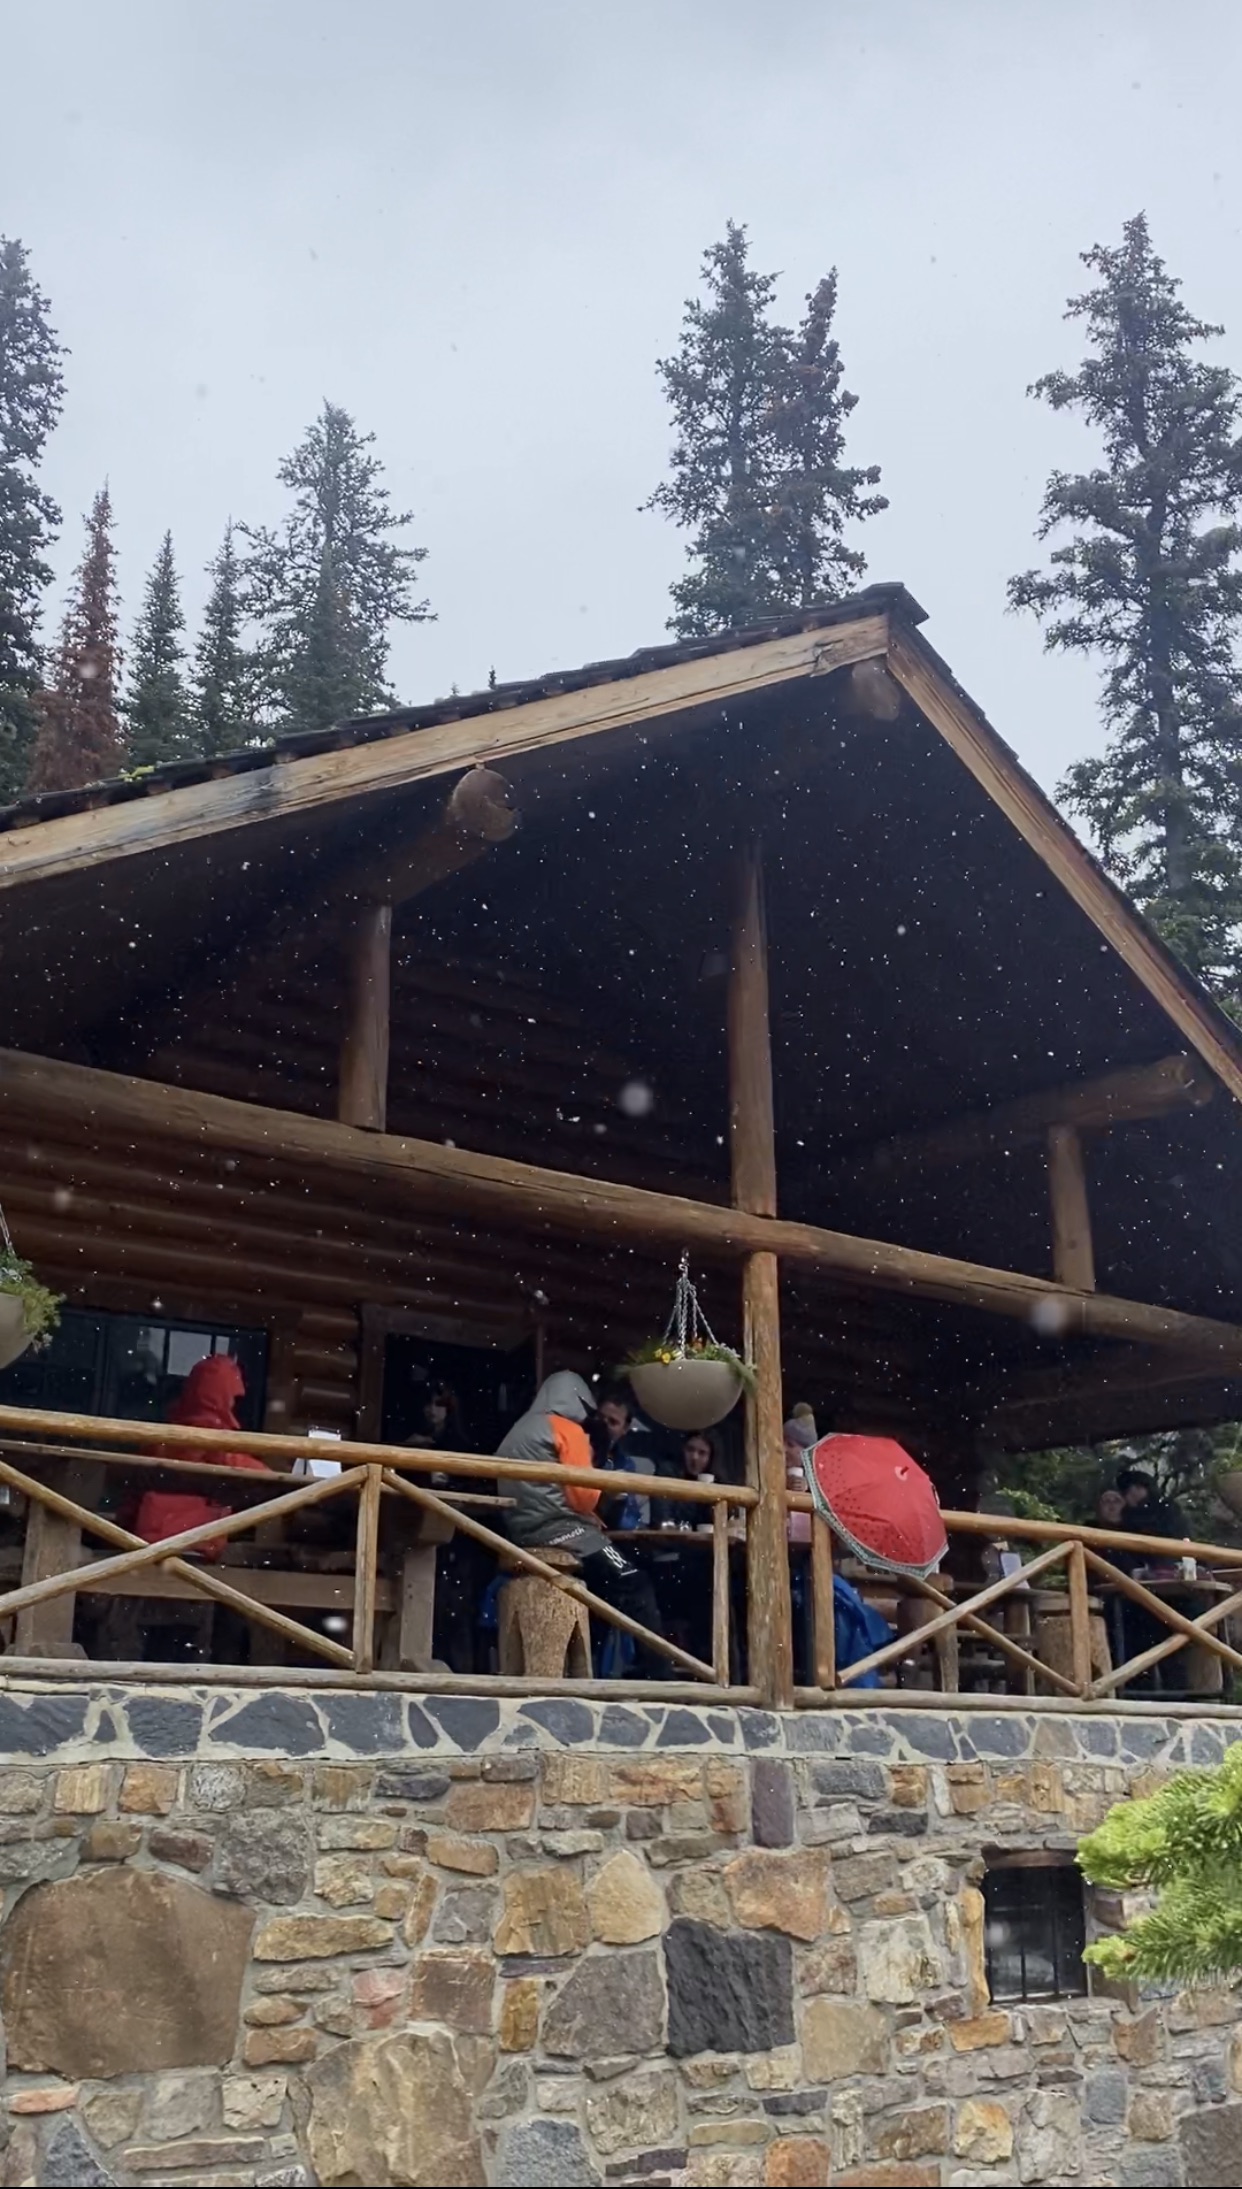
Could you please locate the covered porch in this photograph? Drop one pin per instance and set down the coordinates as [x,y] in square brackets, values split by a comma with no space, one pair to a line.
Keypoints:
[786,965]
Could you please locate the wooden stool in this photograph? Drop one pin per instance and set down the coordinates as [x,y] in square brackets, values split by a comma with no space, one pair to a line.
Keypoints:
[1051,1633]
[543,1632]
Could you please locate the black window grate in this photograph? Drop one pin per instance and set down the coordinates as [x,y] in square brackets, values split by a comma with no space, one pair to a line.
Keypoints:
[1035,1932]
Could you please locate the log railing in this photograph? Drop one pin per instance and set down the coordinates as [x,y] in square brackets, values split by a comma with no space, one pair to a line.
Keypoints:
[374,1474]
[1076,1554]
[385,1482]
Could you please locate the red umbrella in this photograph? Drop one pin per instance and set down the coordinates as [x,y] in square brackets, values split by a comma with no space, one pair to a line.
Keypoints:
[879,1501]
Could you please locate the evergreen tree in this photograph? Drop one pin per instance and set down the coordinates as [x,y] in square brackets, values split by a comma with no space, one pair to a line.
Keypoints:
[1149,581]
[326,589]
[79,734]
[815,493]
[223,670]
[31,390]
[1184,1842]
[757,477]
[157,709]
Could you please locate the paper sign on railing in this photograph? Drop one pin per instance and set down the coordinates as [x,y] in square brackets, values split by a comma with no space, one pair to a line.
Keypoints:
[319,1470]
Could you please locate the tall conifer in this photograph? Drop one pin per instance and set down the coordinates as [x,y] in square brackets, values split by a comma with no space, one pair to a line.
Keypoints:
[79,736]
[326,589]
[1146,580]
[31,390]
[157,708]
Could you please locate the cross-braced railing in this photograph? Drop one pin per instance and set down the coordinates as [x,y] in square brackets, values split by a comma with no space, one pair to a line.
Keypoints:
[1078,1553]
[374,1474]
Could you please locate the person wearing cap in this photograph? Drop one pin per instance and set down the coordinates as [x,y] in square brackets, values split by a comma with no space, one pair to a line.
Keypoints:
[799,1435]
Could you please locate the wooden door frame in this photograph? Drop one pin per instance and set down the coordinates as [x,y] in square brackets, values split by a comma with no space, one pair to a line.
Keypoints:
[378,1323]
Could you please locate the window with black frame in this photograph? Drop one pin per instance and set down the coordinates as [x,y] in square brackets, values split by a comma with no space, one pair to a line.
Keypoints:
[1035,1930]
[130,1366]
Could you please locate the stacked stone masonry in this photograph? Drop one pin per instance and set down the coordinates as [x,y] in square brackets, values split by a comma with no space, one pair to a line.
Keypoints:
[338,1938]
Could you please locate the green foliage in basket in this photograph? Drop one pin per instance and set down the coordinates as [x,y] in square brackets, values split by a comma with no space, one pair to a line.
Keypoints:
[664,1352]
[41,1307]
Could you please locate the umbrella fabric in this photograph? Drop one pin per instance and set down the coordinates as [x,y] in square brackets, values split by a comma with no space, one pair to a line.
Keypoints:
[879,1501]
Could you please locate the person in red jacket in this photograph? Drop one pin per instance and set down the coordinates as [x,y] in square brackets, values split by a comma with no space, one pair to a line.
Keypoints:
[207,1400]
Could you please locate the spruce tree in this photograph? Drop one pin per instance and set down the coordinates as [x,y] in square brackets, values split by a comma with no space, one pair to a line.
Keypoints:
[757,478]
[223,670]
[157,710]
[816,494]
[79,733]
[1184,1843]
[31,390]
[1148,581]
[327,587]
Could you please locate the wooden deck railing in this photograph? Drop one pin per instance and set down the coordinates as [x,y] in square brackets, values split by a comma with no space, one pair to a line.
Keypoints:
[385,1482]
[372,1474]
[1078,1553]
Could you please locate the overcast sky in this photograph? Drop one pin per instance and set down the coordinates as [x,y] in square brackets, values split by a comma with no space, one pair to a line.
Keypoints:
[474,225]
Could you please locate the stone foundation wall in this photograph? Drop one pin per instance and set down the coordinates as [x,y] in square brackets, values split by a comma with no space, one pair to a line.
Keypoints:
[283,1938]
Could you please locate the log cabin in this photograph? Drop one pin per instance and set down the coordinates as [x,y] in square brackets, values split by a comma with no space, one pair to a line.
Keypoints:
[427,1043]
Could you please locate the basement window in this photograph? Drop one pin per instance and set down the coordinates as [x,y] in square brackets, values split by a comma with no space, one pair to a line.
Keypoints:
[1035,1929]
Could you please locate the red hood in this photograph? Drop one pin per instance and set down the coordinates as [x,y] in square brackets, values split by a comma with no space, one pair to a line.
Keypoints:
[208,1398]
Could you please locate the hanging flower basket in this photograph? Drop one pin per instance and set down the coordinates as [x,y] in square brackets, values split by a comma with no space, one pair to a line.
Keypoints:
[687,1380]
[686,1393]
[29,1313]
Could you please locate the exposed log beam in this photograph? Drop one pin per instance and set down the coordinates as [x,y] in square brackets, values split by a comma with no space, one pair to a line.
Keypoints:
[362,1088]
[299,785]
[1139,1093]
[39,1089]
[477,815]
[1127,1369]
[752,1138]
[923,677]
[1073,1258]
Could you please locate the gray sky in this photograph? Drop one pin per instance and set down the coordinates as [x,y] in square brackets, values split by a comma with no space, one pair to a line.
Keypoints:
[475,226]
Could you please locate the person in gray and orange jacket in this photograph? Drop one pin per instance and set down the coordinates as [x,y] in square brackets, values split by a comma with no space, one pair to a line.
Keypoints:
[564,1516]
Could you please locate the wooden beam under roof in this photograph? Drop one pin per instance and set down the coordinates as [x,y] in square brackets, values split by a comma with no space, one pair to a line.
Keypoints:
[168,816]
[1133,1096]
[495,1189]
[924,679]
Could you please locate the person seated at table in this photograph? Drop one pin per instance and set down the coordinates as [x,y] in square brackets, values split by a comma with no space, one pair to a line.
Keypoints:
[698,1460]
[463,1567]
[207,1400]
[616,1413]
[437,1421]
[800,1438]
[1147,1512]
[1112,1512]
[563,1426]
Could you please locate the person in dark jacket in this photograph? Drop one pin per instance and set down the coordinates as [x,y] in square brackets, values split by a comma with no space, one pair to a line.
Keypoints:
[1147,1512]
[562,1516]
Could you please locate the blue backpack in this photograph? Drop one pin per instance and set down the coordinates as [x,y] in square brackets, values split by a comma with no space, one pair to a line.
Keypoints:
[859,1629]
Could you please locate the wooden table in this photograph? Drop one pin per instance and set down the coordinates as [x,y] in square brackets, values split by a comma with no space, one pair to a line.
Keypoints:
[1202,1671]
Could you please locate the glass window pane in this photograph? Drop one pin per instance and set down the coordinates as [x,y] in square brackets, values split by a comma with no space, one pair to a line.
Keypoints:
[1034,1932]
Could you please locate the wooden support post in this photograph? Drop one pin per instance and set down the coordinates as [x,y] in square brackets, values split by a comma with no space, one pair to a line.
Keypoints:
[1080,1619]
[824,1603]
[365,1570]
[720,1593]
[752,1143]
[362,1097]
[1073,1261]
[54,1545]
[417,1610]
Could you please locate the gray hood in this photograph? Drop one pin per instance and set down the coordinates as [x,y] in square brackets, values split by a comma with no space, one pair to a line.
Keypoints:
[566,1394]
